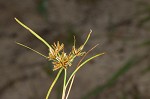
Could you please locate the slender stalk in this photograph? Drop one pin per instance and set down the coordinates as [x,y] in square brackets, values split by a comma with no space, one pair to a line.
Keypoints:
[81,66]
[86,54]
[31,49]
[55,80]
[77,66]
[64,85]
[70,87]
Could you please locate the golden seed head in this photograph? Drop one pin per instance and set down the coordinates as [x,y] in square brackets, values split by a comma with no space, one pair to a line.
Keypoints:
[54,50]
[63,60]
[78,52]
[60,58]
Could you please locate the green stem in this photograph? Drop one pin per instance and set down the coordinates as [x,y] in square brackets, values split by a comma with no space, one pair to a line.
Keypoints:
[81,66]
[51,87]
[64,86]
[70,86]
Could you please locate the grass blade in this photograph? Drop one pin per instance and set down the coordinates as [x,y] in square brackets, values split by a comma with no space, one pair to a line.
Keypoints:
[81,66]
[31,49]
[35,34]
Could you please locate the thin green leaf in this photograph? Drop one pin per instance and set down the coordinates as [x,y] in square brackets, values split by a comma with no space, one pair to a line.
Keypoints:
[35,34]
[31,49]
[81,66]
[86,54]
[87,37]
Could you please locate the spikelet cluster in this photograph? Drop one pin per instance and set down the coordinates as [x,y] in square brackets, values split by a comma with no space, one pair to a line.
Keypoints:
[60,59]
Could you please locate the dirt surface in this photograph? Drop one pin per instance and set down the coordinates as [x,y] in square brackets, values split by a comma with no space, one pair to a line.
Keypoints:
[119,26]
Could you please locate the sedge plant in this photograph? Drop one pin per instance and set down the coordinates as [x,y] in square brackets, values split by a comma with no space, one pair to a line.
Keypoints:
[62,60]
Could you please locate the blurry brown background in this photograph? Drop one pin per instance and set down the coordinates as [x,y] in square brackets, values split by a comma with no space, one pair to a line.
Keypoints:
[121,27]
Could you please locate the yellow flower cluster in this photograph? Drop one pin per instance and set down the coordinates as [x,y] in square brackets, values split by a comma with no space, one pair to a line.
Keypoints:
[60,58]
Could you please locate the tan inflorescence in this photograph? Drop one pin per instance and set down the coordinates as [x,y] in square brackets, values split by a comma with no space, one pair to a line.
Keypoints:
[60,58]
